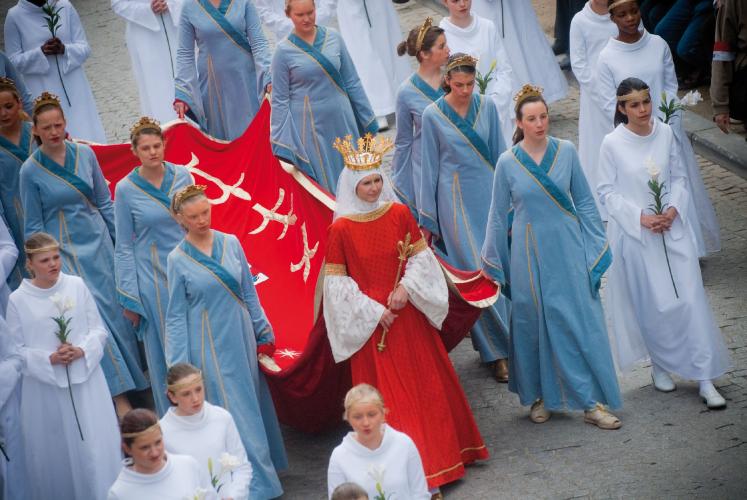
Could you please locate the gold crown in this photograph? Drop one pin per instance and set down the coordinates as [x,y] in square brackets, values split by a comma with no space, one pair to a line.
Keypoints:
[369,154]
[46,98]
[528,90]
[635,95]
[7,84]
[184,194]
[422,32]
[145,122]
[463,60]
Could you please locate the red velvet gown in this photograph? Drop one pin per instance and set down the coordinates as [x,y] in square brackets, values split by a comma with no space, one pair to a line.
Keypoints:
[414,372]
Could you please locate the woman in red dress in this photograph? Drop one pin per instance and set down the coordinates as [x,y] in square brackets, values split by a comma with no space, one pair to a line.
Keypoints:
[380,276]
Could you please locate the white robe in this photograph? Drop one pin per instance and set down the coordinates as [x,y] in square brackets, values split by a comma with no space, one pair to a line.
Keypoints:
[272,13]
[25,33]
[152,40]
[8,257]
[396,462]
[180,479]
[13,480]
[650,60]
[590,32]
[374,49]
[207,435]
[529,52]
[645,315]
[481,40]
[64,465]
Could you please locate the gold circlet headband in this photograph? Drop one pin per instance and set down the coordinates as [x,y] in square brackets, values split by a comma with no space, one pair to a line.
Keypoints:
[422,32]
[635,95]
[46,98]
[7,82]
[465,60]
[134,435]
[48,248]
[145,122]
[186,193]
[195,378]
[528,90]
[618,3]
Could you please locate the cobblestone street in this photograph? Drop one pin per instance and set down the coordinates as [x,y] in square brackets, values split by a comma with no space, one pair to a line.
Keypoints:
[670,445]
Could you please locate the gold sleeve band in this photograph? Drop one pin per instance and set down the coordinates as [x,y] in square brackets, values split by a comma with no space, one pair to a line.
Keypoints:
[335,270]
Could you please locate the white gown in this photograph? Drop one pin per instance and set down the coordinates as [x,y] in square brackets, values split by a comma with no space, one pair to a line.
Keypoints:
[180,479]
[532,59]
[374,49]
[63,465]
[8,257]
[590,32]
[645,315]
[25,32]
[481,40]
[396,463]
[272,13]
[152,40]
[207,435]
[650,60]
[13,480]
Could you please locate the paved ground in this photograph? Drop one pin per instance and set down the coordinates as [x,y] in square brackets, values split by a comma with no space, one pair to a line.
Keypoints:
[670,445]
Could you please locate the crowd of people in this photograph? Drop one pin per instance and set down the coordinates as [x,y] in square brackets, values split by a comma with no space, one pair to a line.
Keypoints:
[104,301]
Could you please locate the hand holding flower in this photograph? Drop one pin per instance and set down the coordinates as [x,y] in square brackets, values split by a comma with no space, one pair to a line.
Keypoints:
[66,354]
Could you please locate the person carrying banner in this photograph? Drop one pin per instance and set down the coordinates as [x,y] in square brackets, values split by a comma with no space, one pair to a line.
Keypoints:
[216,323]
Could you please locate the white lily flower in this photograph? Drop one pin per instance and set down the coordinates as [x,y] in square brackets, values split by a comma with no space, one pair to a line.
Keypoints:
[199,494]
[228,462]
[377,473]
[691,98]
[652,168]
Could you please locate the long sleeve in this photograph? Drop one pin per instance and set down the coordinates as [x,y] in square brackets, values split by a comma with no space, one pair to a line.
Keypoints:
[137,12]
[350,315]
[358,99]
[416,475]
[27,60]
[102,196]
[430,165]
[8,253]
[495,252]
[598,255]
[241,477]
[670,77]
[604,90]
[402,162]
[33,213]
[125,269]
[335,474]
[679,194]
[501,87]
[425,282]
[579,54]
[77,49]
[626,214]
[262,329]
[496,139]
[260,48]
[95,339]
[185,82]
[36,362]
[11,364]
[176,341]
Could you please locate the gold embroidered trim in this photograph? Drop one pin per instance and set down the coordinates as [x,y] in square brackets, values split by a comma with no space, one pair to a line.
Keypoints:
[373,215]
[419,246]
[335,270]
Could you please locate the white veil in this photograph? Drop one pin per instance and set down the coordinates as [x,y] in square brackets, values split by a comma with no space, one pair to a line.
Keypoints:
[348,202]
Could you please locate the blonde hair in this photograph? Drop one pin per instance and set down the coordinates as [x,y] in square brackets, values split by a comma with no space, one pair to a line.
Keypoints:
[38,243]
[362,393]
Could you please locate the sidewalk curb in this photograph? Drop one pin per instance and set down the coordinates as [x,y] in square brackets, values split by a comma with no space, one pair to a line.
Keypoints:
[727,150]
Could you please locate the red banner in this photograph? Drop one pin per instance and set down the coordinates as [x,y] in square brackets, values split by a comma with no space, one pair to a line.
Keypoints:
[281,218]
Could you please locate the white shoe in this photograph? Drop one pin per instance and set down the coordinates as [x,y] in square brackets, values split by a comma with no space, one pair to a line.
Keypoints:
[383,123]
[662,381]
[711,397]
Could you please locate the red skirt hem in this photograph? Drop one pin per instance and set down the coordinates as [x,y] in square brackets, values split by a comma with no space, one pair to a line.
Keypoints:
[451,474]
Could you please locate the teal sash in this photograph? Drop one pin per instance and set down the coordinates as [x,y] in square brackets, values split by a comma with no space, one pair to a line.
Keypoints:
[315,52]
[160,195]
[541,173]
[22,150]
[425,89]
[67,173]
[466,126]
[219,17]
[213,265]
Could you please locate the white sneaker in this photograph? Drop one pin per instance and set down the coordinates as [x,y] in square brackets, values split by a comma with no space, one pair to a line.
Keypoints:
[383,123]
[662,381]
[711,397]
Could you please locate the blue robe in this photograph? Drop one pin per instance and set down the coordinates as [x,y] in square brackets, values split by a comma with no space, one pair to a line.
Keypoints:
[458,155]
[413,96]
[73,204]
[226,86]
[12,157]
[552,271]
[316,97]
[9,71]
[215,322]
[146,233]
